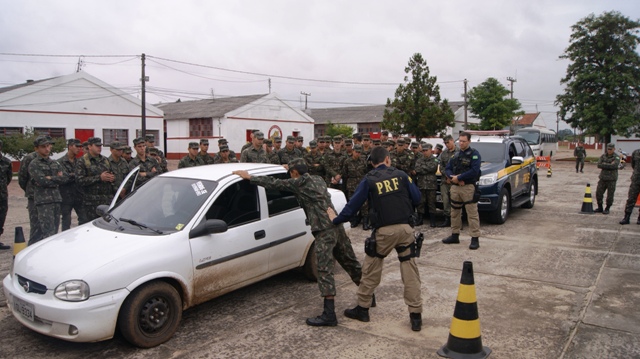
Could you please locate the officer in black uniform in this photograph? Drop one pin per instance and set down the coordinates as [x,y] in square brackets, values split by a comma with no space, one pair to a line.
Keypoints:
[392,197]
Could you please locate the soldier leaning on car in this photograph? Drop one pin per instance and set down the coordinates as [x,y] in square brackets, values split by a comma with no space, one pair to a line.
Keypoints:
[24,180]
[331,242]
[608,163]
[46,175]
[70,191]
[96,177]
[6,174]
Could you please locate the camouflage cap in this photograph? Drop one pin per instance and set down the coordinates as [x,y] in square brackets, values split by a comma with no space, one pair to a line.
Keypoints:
[71,142]
[386,143]
[150,138]
[426,146]
[300,138]
[611,145]
[291,139]
[447,138]
[376,141]
[414,144]
[337,138]
[222,141]
[127,149]
[357,148]
[391,142]
[95,141]
[224,148]
[153,151]
[313,144]
[116,145]
[366,137]
[259,135]
[296,162]
[41,140]
[439,146]
[357,136]
[194,145]
[348,142]
[277,139]
[204,141]
[407,139]
[385,133]
[138,140]
[400,141]
[268,142]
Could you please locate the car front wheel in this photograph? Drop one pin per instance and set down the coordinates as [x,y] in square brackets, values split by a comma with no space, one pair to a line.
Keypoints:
[499,216]
[532,196]
[150,315]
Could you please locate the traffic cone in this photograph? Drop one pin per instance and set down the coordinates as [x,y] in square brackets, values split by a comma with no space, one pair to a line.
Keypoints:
[18,242]
[587,203]
[549,172]
[638,201]
[464,340]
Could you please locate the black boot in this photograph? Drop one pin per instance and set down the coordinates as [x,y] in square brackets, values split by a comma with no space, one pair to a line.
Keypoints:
[365,224]
[373,300]
[606,210]
[446,223]
[432,221]
[416,321]
[626,219]
[599,209]
[454,238]
[3,246]
[638,222]
[358,313]
[328,317]
[475,243]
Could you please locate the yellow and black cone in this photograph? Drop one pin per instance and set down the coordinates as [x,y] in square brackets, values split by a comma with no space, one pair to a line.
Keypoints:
[18,242]
[587,203]
[465,341]
[549,172]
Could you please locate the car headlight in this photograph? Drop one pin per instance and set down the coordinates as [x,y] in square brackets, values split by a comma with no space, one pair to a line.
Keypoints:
[72,291]
[488,179]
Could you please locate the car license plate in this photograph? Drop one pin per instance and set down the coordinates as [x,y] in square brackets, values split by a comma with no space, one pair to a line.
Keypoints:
[26,309]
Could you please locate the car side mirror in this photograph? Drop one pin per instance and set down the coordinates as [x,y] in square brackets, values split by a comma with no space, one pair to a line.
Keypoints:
[516,160]
[209,226]
[102,209]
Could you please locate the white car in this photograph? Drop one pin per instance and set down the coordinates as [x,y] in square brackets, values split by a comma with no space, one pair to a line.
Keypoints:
[183,238]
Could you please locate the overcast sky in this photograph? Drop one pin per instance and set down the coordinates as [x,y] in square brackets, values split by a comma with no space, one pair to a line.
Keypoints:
[364,44]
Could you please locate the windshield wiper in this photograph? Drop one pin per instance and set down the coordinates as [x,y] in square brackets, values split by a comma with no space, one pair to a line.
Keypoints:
[141,225]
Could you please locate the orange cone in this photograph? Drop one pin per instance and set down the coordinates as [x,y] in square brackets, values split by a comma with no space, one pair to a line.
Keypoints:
[638,201]
[465,341]
[18,242]
[587,202]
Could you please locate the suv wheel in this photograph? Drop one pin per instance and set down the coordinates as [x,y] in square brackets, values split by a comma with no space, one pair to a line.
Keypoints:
[499,216]
[532,196]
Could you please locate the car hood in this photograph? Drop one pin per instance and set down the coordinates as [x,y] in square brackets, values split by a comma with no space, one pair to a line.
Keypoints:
[76,253]
[488,168]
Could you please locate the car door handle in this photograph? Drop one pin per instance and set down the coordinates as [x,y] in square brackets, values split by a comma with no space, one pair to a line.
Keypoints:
[260,234]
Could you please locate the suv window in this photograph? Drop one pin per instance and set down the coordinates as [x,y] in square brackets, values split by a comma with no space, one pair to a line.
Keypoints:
[490,152]
[280,201]
[520,148]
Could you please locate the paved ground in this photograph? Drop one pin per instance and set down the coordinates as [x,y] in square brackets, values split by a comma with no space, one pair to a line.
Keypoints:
[550,283]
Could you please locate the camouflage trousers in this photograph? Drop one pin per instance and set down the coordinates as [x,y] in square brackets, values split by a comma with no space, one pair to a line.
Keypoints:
[428,199]
[610,187]
[333,244]
[579,163]
[88,212]
[4,208]
[35,233]
[48,219]
[634,189]
[65,211]
[445,191]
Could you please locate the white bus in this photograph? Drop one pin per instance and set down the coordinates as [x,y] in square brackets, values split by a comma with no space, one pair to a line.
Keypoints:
[543,142]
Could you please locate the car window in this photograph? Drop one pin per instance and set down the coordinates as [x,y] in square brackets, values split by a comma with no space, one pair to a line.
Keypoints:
[520,148]
[528,151]
[236,205]
[280,202]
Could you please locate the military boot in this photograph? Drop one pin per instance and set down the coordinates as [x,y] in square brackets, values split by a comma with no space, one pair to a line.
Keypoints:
[638,222]
[328,316]
[599,209]
[606,210]
[475,243]
[446,223]
[3,246]
[453,238]
[626,219]
[416,321]
[432,221]
[365,224]
[358,313]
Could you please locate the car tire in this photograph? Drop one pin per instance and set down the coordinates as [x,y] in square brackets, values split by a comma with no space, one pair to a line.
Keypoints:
[310,268]
[150,315]
[532,196]
[499,216]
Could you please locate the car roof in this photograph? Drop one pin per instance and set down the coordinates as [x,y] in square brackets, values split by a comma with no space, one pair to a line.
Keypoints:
[216,172]
[489,139]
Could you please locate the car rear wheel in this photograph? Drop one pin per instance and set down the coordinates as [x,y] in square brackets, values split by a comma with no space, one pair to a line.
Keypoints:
[532,196]
[150,315]
[499,216]
[310,268]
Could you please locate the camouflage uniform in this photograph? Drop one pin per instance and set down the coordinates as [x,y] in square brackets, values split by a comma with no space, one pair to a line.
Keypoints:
[273,158]
[231,160]
[96,191]
[147,167]
[403,161]
[580,154]
[634,188]
[186,161]
[253,155]
[607,179]
[163,161]
[46,195]
[315,163]
[24,180]
[71,194]
[287,156]
[354,171]
[445,188]
[330,241]
[6,174]
[120,170]
[426,168]
[206,158]
[333,166]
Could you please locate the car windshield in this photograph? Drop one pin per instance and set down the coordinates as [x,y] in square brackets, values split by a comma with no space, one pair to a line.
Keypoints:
[531,137]
[163,205]
[492,152]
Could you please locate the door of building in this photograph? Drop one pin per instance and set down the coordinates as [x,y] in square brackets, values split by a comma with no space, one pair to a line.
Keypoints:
[83,135]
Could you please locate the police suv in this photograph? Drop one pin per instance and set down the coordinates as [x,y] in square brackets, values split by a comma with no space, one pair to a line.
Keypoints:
[509,177]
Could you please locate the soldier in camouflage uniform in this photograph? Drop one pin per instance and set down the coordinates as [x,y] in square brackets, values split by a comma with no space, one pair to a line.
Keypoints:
[445,187]
[415,152]
[300,145]
[154,153]
[119,166]
[149,167]
[6,174]
[24,180]
[232,155]
[272,156]
[366,145]
[355,167]
[314,160]
[191,159]
[608,163]
[331,242]
[634,188]
[580,154]
[255,153]
[289,152]
[426,167]
[402,159]
[348,147]
[248,144]
[46,175]
[150,141]
[224,156]
[96,178]
[70,192]
[203,154]
[126,153]
[277,144]
[333,164]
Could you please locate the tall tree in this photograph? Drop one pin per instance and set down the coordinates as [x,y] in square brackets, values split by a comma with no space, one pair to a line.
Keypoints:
[417,108]
[488,102]
[20,144]
[333,129]
[602,84]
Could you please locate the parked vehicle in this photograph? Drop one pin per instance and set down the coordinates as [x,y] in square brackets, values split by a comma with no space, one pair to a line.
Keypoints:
[543,142]
[183,238]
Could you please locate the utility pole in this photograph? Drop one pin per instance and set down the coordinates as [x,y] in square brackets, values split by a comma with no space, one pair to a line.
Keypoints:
[80,64]
[466,104]
[512,80]
[269,85]
[306,95]
[144,79]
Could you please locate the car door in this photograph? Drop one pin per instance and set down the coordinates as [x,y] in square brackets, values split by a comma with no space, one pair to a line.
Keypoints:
[225,261]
